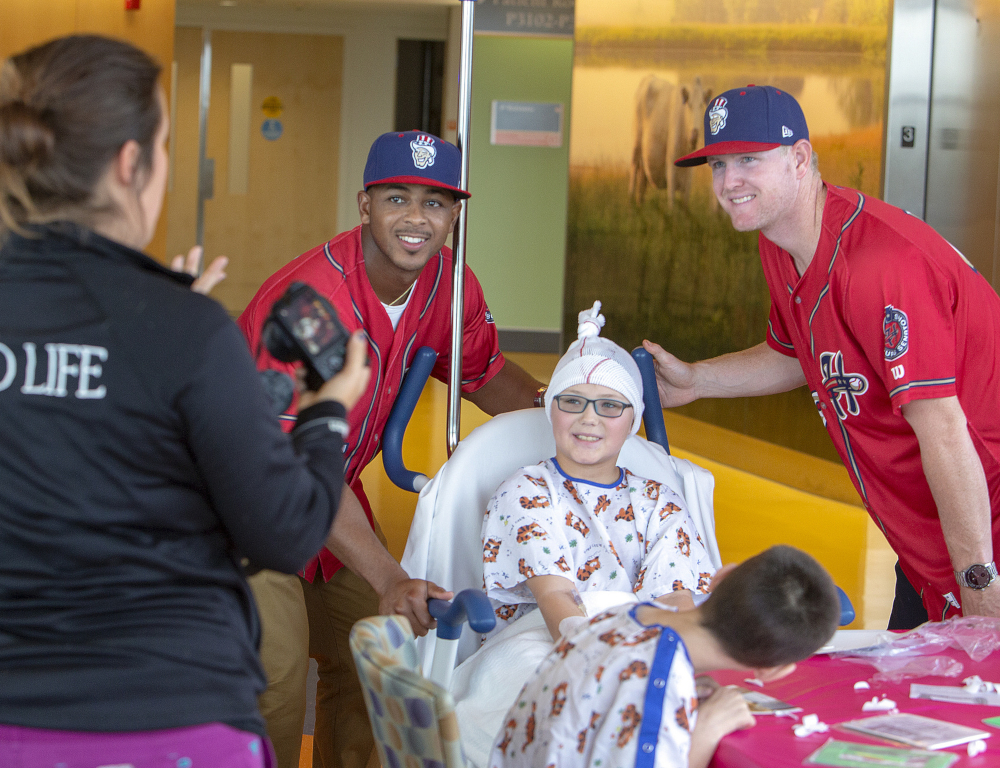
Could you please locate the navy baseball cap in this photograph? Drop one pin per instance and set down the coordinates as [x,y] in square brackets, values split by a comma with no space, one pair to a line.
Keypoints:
[751,119]
[414,157]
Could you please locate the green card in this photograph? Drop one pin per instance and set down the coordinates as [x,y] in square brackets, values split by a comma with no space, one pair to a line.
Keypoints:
[845,754]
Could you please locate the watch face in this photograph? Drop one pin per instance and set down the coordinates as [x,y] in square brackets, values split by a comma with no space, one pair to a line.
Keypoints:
[978,576]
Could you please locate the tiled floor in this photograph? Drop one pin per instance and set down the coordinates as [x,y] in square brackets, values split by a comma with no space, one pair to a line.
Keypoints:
[764,495]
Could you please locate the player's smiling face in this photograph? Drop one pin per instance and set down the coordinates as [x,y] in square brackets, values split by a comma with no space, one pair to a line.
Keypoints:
[754,188]
[408,223]
[587,445]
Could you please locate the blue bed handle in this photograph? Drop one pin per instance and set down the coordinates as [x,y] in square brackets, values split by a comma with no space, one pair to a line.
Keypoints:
[399,417]
[652,417]
[846,608]
[471,604]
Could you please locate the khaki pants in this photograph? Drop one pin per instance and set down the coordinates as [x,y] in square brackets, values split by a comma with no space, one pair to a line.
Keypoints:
[299,620]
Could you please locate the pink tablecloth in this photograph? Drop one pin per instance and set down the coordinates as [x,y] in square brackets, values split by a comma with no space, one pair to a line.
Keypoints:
[825,686]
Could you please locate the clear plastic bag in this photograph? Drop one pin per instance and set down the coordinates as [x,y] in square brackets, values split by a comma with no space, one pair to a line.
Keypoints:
[918,653]
[918,666]
[978,636]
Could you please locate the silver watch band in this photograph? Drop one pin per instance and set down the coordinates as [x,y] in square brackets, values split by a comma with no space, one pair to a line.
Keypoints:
[977,575]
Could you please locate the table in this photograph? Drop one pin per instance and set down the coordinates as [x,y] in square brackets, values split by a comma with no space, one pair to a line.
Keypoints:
[825,686]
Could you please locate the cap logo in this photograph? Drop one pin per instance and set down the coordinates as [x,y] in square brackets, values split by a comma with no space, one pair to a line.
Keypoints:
[717,115]
[424,151]
[786,132]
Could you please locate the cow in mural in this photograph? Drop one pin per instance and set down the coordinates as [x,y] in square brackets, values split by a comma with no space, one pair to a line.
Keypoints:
[668,125]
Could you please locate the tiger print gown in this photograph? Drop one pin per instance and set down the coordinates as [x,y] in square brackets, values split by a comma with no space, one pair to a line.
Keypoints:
[589,701]
[630,536]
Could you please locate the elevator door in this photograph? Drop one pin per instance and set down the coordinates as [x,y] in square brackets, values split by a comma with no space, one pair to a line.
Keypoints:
[273,133]
[964,147]
[942,153]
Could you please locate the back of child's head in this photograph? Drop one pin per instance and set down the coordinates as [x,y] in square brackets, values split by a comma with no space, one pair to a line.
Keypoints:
[595,360]
[774,609]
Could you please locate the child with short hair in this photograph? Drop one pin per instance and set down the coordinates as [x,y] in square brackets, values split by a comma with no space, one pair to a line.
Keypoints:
[578,522]
[620,691]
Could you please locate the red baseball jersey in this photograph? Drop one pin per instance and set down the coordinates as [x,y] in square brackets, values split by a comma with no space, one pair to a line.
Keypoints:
[336,269]
[888,312]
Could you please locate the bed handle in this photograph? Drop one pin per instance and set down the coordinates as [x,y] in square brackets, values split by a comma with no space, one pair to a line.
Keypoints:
[652,417]
[392,436]
[469,604]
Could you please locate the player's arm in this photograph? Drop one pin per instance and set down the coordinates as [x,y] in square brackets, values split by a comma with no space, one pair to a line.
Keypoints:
[511,389]
[557,599]
[958,484]
[354,542]
[759,370]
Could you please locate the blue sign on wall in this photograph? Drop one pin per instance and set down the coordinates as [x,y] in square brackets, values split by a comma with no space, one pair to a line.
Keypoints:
[535,18]
[271,129]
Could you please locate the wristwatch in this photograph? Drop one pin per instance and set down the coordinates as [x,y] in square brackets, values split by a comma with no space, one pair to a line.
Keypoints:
[977,575]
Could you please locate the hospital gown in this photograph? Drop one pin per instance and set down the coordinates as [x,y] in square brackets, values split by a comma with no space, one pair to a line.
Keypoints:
[585,704]
[633,535]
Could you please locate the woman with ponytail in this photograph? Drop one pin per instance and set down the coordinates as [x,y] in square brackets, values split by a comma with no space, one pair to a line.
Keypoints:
[142,469]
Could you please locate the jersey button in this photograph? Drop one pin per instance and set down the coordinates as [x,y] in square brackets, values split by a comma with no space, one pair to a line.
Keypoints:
[798,299]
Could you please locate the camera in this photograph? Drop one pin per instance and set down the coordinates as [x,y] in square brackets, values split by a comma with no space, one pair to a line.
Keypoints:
[303,327]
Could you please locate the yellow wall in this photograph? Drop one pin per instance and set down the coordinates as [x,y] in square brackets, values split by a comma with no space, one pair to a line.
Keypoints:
[24,23]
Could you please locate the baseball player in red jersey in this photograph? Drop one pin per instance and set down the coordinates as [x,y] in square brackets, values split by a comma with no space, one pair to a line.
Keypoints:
[391,276]
[894,332]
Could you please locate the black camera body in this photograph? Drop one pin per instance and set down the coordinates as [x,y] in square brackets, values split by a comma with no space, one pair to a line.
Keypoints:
[303,326]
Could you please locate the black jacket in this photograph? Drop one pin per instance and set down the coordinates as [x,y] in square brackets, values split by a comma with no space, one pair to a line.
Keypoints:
[140,462]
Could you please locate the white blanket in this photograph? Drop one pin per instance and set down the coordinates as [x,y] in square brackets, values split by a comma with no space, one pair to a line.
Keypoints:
[486,684]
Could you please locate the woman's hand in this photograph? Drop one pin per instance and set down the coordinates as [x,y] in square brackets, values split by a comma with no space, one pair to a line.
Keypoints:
[347,386]
[214,274]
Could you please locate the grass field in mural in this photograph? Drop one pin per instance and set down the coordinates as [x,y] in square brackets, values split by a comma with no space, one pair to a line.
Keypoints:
[668,266]
[683,277]
[687,280]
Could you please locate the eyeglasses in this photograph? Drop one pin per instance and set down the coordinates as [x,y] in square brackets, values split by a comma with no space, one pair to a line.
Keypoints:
[610,409]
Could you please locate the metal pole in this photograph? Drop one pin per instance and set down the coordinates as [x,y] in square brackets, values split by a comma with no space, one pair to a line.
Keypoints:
[204,91]
[458,276]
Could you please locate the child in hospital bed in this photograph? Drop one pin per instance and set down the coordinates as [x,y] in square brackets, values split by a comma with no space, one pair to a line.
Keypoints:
[620,691]
[578,522]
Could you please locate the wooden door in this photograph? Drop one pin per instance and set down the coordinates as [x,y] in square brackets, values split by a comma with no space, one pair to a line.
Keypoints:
[275,185]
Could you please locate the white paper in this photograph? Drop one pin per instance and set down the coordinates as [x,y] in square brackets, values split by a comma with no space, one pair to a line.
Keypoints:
[954,694]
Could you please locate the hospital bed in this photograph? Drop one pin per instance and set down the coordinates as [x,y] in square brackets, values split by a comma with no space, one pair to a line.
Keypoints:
[444,546]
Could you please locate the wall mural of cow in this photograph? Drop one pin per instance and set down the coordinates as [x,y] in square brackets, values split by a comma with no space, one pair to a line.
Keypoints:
[668,125]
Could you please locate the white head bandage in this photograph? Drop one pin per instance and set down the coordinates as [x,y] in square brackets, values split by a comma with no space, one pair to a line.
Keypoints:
[594,360]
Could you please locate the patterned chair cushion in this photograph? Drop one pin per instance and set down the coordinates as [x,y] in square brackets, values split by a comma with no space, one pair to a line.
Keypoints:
[413,719]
